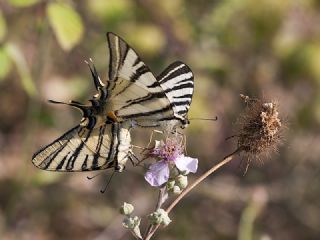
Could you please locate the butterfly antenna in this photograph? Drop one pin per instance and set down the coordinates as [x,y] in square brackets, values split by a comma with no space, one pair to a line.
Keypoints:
[94,176]
[205,119]
[108,182]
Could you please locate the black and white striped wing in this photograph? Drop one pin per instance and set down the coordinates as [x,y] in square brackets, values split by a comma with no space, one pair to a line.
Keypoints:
[82,149]
[177,83]
[134,92]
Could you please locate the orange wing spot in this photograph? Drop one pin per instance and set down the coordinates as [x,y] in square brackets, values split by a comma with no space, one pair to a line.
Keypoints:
[112,116]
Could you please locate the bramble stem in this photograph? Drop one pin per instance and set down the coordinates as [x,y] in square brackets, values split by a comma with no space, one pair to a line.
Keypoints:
[224,161]
[161,199]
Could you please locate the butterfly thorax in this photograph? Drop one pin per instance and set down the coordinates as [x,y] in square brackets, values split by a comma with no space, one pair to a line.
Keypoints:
[97,114]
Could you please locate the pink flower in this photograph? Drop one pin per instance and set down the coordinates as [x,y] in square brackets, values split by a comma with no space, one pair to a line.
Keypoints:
[169,153]
[169,150]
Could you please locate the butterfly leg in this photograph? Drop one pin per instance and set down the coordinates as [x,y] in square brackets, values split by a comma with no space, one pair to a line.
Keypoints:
[141,160]
[135,161]
[133,158]
[151,137]
[184,142]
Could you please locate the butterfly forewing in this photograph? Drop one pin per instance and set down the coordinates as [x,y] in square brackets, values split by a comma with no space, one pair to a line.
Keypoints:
[132,84]
[82,149]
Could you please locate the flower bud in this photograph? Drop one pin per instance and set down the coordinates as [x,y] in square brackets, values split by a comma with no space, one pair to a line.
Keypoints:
[131,222]
[166,220]
[159,217]
[182,181]
[126,209]
[176,190]
[137,232]
[170,185]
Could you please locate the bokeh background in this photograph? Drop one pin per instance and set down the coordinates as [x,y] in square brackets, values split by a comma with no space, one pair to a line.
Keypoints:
[266,48]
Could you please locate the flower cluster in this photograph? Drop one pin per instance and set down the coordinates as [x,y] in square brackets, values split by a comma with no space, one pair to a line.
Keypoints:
[169,174]
[131,222]
[160,216]
[259,132]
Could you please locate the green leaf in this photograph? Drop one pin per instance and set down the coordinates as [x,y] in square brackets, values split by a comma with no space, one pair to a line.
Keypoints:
[66,23]
[312,52]
[17,57]
[112,10]
[22,3]
[3,26]
[5,63]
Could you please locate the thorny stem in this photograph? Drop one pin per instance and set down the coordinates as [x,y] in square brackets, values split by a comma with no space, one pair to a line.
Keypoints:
[224,161]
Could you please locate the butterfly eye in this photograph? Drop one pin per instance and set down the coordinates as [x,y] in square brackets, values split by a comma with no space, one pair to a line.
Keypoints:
[184,123]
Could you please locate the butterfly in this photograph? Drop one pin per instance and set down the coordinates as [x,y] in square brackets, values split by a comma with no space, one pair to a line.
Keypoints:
[132,96]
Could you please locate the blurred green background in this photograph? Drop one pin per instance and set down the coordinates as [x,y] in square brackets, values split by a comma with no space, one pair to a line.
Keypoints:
[267,48]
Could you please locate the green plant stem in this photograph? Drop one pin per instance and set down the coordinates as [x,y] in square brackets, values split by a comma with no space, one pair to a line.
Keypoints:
[160,201]
[224,161]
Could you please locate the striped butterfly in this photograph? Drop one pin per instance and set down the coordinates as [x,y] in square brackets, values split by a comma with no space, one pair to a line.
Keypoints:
[131,97]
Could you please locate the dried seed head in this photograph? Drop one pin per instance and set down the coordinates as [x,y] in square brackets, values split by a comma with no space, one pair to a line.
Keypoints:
[260,128]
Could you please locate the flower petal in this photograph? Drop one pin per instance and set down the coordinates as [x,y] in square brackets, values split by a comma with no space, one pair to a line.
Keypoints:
[184,163]
[157,174]
[158,144]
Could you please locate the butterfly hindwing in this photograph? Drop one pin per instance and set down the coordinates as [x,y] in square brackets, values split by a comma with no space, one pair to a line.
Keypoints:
[82,149]
[178,85]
